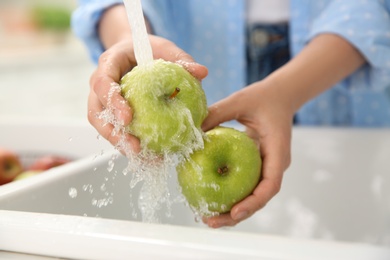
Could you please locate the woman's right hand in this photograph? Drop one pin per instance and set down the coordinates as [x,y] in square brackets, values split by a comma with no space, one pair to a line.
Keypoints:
[114,63]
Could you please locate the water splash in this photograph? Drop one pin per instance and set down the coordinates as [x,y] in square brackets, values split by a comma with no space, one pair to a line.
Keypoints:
[72,192]
[88,187]
[103,202]
[147,169]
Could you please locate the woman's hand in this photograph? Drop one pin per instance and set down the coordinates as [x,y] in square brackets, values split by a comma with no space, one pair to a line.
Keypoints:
[267,107]
[118,59]
[268,121]
[105,91]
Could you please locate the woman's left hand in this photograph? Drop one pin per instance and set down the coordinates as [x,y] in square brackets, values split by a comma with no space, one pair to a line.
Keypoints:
[268,121]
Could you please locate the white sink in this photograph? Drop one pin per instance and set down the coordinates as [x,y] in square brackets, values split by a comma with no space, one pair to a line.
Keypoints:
[334,204]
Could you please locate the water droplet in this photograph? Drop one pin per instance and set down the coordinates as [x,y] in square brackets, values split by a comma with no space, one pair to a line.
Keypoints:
[197,218]
[110,166]
[88,187]
[72,192]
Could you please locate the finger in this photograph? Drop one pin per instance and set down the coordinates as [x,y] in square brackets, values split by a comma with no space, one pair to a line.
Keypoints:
[224,220]
[167,50]
[246,208]
[105,129]
[267,189]
[108,94]
[263,193]
[221,112]
[197,70]
[113,64]
[276,158]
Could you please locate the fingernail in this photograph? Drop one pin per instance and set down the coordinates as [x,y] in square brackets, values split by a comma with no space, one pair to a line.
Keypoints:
[241,215]
[214,224]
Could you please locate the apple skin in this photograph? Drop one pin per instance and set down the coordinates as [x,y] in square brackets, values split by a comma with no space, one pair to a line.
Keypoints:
[47,162]
[10,166]
[225,172]
[27,174]
[165,124]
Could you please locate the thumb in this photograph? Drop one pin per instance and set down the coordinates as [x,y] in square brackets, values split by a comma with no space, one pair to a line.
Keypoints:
[169,51]
[221,112]
[197,70]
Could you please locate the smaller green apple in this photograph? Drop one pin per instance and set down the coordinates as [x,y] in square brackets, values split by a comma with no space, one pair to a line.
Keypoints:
[225,172]
[168,105]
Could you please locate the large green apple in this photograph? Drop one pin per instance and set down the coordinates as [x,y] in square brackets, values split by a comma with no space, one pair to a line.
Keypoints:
[226,171]
[168,105]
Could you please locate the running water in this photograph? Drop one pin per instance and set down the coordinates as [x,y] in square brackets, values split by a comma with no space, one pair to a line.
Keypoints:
[142,49]
[150,171]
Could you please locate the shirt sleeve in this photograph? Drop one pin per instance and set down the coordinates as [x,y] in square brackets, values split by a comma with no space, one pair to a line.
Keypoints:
[84,23]
[163,15]
[169,19]
[363,23]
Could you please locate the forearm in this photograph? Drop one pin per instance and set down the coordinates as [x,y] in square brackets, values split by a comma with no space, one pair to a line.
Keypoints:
[326,60]
[114,26]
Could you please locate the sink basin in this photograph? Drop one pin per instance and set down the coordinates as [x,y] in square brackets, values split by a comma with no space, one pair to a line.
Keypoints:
[333,205]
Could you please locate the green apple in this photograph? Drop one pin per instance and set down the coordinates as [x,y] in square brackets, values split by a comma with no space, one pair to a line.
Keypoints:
[168,105]
[225,172]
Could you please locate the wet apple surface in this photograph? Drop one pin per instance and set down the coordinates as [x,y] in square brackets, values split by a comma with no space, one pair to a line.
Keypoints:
[222,174]
[168,105]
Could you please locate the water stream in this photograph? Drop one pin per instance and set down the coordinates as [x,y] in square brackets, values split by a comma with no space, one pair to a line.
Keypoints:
[146,169]
[141,44]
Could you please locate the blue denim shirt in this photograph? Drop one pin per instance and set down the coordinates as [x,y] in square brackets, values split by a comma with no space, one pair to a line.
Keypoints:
[213,32]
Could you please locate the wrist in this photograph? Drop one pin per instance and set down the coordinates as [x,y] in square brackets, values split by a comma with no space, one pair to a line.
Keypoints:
[326,60]
[114,26]
[280,90]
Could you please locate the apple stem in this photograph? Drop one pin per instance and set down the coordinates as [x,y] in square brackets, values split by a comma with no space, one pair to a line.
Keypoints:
[174,94]
[223,170]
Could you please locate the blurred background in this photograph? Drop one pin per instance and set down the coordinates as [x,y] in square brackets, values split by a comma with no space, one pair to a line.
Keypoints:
[44,69]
